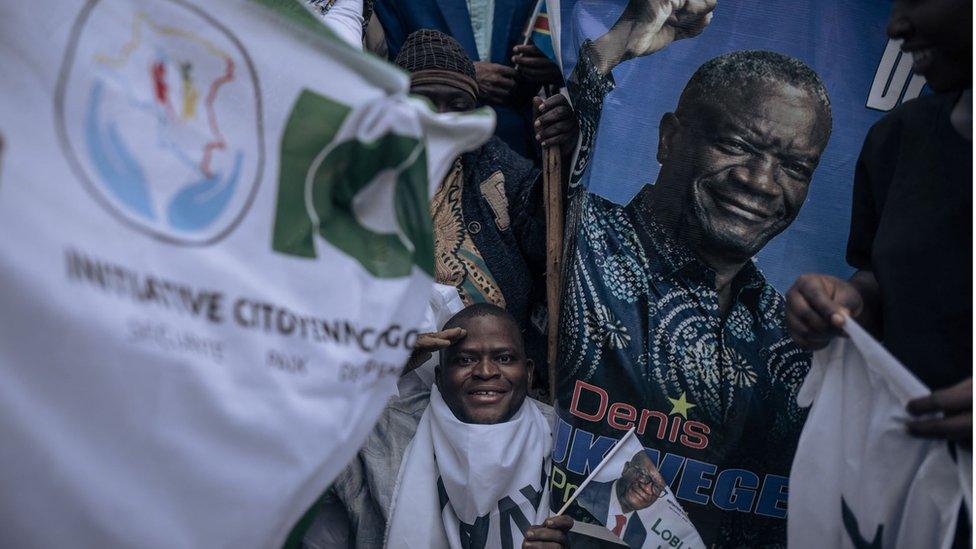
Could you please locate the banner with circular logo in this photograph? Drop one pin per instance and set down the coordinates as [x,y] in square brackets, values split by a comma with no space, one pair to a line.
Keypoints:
[215,254]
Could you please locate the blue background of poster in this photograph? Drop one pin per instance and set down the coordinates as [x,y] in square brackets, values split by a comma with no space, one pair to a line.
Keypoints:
[842,40]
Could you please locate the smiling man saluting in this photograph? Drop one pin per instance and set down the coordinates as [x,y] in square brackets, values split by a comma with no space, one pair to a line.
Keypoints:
[483,377]
[461,466]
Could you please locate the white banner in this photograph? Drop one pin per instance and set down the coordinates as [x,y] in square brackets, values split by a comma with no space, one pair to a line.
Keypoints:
[858,479]
[215,250]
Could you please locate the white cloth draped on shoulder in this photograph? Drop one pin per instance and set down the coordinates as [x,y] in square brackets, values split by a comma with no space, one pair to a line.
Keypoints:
[491,476]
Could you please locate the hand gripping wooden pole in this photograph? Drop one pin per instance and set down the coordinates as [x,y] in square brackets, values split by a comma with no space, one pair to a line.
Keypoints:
[552,174]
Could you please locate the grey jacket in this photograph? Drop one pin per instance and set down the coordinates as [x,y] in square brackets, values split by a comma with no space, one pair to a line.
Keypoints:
[355,510]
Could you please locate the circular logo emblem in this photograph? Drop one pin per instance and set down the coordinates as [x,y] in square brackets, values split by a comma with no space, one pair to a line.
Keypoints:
[159,114]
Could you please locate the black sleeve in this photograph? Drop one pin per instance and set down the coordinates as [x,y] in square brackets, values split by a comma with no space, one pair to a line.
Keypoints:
[530,229]
[523,190]
[872,175]
[864,218]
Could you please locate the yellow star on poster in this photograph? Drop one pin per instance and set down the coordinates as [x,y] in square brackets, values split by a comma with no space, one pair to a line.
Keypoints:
[681,406]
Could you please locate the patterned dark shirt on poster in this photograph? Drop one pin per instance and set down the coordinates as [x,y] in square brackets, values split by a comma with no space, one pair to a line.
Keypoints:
[640,318]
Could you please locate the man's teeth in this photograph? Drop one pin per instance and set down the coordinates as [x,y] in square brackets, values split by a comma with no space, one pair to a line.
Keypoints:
[486,392]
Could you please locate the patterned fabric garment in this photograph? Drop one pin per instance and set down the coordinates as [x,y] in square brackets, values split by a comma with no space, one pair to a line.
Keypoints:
[641,331]
[457,261]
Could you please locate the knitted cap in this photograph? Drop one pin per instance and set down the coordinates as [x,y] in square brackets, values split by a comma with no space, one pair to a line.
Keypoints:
[428,49]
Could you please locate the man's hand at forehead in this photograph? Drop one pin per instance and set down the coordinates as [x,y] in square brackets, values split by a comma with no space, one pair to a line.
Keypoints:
[429,343]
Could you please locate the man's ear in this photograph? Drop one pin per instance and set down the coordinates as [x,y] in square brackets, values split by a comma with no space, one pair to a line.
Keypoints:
[437,374]
[530,369]
[667,133]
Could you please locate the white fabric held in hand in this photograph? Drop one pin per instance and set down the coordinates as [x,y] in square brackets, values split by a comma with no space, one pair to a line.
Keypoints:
[858,478]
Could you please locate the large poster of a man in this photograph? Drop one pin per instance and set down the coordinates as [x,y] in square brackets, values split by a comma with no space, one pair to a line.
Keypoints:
[844,42]
[667,325]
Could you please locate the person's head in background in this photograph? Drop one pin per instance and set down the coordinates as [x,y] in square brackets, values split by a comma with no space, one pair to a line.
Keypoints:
[484,377]
[439,70]
[939,35]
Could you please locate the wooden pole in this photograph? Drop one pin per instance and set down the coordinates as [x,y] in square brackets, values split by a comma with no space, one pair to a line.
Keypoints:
[552,174]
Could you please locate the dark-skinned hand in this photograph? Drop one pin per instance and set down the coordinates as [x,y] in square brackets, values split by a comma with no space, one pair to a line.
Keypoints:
[495,82]
[551,534]
[429,343]
[648,26]
[816,307]
[956,405]
[555,123]
[534,66]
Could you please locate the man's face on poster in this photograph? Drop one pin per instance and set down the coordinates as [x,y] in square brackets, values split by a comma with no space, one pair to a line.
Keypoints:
[743,162]
[640,484]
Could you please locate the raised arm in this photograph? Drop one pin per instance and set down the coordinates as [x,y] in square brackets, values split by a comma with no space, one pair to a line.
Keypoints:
[648,26]
[644,27]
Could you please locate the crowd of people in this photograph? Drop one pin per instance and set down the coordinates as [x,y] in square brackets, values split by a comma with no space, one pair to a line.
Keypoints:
[660,297]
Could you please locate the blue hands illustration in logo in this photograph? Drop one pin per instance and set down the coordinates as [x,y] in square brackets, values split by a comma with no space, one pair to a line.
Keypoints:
[194,207]
[198,204]
[120,172]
